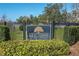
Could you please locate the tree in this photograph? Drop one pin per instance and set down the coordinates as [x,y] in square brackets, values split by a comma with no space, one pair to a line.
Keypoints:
[42,19]
[31,17]
[35,20]
[75,11]
[24,20]
[53,12]
[4,19]
[64,16]
[75,5]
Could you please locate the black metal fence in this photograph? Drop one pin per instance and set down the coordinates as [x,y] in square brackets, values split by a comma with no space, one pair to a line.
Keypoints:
[29,32]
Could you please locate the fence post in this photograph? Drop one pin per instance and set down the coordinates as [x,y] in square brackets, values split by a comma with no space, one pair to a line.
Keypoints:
[52,29]
[24,31]
[50,32]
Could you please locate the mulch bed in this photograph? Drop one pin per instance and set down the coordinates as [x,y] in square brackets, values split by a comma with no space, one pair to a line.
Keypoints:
[74,49]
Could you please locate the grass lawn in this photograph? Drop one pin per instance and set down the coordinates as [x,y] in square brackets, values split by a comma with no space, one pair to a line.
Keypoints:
[18,34]
[59,32]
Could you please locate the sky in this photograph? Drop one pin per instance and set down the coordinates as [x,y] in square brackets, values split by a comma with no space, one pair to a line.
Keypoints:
[15,10]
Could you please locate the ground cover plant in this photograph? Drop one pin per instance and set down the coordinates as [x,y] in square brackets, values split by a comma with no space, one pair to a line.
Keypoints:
[34,48]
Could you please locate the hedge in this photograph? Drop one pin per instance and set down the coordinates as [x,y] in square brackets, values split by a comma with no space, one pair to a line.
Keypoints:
[34,48]
[4,33]
[71,34]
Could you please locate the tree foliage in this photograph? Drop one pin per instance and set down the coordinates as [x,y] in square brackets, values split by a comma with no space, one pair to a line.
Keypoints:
[53,12]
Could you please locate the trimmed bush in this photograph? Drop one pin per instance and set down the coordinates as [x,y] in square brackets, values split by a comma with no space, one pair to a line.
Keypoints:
[71,34]
[34,48]
[4,33]
[1,32]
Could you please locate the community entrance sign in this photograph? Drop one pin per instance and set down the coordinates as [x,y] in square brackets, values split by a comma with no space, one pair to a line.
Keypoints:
[38,32]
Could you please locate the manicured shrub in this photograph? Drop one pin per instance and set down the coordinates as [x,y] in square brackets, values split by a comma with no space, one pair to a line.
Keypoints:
[1,33]
[4,32]
[34,48]
[71,34]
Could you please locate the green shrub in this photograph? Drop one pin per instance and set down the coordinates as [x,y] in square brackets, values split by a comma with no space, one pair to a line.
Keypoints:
[1,33]
[4,32]
[21,27]
[71,34]
[34,48]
